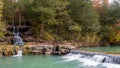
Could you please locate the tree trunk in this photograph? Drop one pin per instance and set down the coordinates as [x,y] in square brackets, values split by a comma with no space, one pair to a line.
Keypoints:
[6,22]
[19,19]
[42,29]
[13,22]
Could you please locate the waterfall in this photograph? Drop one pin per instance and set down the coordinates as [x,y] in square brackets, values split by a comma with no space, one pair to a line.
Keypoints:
[93,58]
[17,40]
[19,53]
[101,59]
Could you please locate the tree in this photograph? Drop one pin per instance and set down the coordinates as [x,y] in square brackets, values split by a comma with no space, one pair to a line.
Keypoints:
[42,14]
[49,16]
[8,11]
[114,15]
[83,14]
[109,15]
[2,24]
[62,18]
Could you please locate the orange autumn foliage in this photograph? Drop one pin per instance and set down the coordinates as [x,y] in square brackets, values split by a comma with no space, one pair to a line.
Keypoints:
[99,3]
[115,32]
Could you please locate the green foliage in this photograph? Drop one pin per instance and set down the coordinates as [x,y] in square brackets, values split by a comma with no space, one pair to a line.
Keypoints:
[91,39]
[2,29]
[45,15]
[117,37]
[75,27]
[114,11]
[83,13]
[85,22]
[108,17]
[74,20]
[2,24]
[48,36]
[8,10]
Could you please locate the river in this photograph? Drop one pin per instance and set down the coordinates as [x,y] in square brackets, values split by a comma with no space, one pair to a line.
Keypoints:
[48,61]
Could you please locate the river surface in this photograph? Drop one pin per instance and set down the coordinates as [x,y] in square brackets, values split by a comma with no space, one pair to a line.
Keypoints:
[106,49]
[45,61]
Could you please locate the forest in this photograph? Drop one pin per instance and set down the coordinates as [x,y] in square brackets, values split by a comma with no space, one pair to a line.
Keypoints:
[77,21]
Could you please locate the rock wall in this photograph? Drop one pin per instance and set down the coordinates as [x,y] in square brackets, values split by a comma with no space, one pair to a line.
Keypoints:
[32,50]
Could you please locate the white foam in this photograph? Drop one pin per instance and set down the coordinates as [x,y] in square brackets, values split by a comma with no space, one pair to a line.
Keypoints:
[98,58]
[71,57]
[18,54]
[88,62]
[93,61]
[109,65]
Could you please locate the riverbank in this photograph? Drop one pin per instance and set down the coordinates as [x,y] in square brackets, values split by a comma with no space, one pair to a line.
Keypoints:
[105,49]
[35,49]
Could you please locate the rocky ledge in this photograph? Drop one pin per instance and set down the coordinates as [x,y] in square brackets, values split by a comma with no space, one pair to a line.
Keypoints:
[9,50]
[48,50]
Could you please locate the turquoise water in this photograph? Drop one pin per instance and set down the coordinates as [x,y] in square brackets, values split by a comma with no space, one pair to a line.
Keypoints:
[36,62]
[44,61]
[107,49]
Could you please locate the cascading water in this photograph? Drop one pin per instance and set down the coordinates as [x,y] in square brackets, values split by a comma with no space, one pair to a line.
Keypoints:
[19,53]
[17,41]
[93,59]
[101,59]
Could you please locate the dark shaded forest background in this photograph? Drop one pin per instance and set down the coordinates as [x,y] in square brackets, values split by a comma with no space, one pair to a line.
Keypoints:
[81,22]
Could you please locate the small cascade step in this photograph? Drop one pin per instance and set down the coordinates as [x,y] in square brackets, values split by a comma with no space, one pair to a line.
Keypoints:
[19,53]
[98,57]
[101,59]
